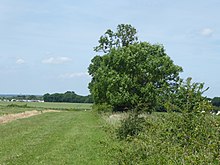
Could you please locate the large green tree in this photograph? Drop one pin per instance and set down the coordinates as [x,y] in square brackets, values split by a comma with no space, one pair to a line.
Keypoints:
[132,73]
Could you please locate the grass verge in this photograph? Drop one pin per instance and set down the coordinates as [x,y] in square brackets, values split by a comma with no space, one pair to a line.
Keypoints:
[74,137]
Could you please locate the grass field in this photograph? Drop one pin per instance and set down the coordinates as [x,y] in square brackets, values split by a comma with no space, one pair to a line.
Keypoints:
[17,107]
[66,137]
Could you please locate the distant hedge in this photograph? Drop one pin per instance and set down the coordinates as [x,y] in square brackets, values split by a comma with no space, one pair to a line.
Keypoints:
[69,97]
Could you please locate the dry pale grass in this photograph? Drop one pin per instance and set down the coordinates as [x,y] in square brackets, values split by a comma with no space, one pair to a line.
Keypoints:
[115,119]
[26,114]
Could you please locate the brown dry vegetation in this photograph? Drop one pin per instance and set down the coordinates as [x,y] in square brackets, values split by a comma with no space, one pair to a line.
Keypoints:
[26,114]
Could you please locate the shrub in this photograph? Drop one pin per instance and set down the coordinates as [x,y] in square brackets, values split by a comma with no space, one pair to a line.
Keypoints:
[131,126]
[174,138]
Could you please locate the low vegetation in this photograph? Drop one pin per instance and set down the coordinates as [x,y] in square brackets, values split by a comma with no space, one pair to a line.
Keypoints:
[169,138]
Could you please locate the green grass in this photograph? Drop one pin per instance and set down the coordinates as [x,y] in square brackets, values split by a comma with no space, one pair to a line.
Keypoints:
[73,137]
[4,110]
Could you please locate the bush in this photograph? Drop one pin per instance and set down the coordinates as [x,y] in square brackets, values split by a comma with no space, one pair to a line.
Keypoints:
[130,126]
[173,138]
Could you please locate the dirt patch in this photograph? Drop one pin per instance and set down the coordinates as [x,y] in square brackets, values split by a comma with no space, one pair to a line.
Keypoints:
[26,114]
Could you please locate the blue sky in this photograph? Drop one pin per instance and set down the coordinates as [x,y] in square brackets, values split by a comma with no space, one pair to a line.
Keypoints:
[47,45]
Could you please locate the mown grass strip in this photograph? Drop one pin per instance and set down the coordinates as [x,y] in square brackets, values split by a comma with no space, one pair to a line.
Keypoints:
[73,137]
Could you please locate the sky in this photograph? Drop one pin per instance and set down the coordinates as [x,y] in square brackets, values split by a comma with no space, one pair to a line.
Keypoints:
[46,46]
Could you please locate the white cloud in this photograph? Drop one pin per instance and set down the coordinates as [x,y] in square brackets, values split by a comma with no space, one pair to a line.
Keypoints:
[207,32]
[73,75]
[20,61]
[56,60]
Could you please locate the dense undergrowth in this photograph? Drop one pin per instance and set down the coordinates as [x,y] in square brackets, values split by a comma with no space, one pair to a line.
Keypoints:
[166,138]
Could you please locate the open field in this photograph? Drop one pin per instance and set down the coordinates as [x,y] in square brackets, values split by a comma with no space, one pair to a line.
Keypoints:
[66,137]
[17,107]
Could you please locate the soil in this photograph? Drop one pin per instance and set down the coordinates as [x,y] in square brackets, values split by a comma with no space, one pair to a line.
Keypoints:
[26,114]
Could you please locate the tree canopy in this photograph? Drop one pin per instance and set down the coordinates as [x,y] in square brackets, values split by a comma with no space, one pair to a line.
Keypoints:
[124,36]
[131,73]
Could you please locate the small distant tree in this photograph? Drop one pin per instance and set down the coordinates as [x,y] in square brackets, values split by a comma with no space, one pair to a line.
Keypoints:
[46,97]
[32,97]
[216,101]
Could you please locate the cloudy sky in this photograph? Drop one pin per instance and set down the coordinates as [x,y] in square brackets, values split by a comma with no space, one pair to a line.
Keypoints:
[47,45]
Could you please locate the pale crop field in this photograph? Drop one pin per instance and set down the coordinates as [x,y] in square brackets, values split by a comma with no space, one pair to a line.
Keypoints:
[17,107]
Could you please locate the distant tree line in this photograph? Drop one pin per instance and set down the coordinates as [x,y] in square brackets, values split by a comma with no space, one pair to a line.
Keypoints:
[28,97]
[21,97]
[69,97]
